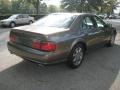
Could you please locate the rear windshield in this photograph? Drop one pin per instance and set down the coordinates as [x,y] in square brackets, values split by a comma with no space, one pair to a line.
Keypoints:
[56,20]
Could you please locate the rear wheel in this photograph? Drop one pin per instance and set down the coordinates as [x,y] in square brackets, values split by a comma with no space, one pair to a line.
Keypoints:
[30,22]
[76,56]
[111,42]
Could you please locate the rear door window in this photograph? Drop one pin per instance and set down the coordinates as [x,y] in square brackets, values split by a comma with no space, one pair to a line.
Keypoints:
[87,23]
[19,16]
[99,22]
[25,16]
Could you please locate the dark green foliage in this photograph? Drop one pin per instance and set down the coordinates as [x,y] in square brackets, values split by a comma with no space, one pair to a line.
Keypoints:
[100,6]
[81,5]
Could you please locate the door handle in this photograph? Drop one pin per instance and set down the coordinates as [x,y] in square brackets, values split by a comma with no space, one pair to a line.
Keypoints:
[94,33]
[91,34]
[97,32]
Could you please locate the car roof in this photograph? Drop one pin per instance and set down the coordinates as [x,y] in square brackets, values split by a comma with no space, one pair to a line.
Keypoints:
[72,14]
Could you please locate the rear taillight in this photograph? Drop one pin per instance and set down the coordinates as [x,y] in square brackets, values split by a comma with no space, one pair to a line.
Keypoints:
[12,38]
[44,46]
[48,46]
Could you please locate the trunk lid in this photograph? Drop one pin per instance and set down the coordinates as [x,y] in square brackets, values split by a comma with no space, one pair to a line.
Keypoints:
[26,38]
[26,34]
[41,30]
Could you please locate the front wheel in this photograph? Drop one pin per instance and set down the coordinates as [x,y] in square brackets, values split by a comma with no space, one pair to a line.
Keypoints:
[76,56]
[12,24]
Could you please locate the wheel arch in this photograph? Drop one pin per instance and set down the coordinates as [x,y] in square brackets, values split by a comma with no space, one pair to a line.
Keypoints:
[79,41]
[114,31]
[30,20]
[12,22]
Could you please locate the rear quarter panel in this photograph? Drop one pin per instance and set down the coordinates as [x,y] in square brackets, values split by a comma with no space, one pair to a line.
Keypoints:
[65,41]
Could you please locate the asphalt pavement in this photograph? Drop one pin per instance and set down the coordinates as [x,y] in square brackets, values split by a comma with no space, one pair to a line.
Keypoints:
[99,71]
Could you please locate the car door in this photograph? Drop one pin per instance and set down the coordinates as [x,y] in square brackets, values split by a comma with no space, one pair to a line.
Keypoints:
[19,19]
[88,27]
[100,30]
[25,19]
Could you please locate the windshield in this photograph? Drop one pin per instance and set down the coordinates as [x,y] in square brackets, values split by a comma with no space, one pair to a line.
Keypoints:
[13,16]
[56,20]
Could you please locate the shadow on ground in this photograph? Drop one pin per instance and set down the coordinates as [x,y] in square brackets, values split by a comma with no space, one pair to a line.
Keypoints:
[98,72]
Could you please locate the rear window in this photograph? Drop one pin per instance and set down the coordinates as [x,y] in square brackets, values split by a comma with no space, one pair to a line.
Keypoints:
[56,20]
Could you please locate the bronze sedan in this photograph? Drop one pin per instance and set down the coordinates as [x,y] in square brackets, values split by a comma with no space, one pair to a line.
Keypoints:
[60,37]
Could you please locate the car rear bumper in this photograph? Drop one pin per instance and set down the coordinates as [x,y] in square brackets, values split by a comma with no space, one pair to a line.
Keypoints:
[34,55]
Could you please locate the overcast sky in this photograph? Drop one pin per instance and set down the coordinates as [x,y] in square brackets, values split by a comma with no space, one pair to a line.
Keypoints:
[118,9]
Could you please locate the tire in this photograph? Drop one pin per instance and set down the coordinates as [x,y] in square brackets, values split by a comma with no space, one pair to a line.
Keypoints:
[111,42]
[30,22]
[12,24]
[76,56]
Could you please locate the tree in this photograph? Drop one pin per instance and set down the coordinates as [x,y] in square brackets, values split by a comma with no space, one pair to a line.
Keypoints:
[80,5]
[108,6]
[21,6]
[43,8]
[28,6]
[52,9]
[35,3]
[89,5]
[5,6]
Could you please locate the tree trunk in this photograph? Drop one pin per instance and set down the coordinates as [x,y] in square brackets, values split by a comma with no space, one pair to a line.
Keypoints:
[38,2]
